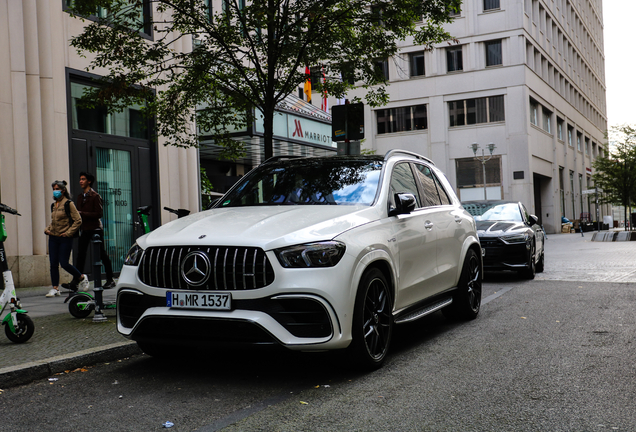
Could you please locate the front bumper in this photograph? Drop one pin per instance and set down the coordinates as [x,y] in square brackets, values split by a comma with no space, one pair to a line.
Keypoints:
[498,255]
[283,313]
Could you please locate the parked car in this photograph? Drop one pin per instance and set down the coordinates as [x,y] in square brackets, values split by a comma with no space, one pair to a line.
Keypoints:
[312,254]
[510,237]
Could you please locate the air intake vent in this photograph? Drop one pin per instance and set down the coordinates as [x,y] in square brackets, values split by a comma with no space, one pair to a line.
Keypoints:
[216,268]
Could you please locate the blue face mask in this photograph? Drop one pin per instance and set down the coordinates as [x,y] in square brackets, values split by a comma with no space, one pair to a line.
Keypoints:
[57,194]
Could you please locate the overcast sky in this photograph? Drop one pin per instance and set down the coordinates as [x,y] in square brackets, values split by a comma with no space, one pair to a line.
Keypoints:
[620,73]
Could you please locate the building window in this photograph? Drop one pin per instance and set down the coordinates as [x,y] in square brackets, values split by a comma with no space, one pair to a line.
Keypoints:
[470,179]
[560,128]
[570,133]
[587,146]
[403,119]
[474,111]
[126,123]
[416,60]
[493,53]
[456,13]
[382,68]
[534,112]
[136,15]
[578,141]
[547,116]
[491,4]
[454,59]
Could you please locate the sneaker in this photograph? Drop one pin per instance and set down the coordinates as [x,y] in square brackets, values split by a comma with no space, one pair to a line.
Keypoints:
[110,284]
[71,286]
[53,292]
[83,284]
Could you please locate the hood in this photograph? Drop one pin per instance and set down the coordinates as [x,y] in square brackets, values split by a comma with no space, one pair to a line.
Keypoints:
[499,227]
[268,227]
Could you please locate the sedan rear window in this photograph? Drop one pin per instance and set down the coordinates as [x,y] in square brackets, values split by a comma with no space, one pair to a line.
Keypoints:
[308,182]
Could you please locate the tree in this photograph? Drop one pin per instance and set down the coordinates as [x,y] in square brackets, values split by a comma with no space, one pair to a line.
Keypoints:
[616,170]
[247,57]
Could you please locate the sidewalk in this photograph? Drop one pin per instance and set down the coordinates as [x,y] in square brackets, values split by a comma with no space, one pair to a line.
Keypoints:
[60,342]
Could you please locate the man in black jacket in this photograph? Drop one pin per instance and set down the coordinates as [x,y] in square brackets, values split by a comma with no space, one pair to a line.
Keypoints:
[90,207]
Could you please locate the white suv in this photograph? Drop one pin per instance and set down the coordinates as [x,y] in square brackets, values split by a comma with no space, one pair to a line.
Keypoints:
[309,253]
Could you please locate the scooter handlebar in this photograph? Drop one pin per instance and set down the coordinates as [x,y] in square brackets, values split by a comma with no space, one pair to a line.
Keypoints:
[6,209]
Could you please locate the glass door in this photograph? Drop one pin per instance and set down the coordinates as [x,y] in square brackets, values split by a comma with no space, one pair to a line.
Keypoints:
[114,184]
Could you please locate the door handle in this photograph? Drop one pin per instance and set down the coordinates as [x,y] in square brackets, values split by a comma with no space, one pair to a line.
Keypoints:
[428,225]
[458,219]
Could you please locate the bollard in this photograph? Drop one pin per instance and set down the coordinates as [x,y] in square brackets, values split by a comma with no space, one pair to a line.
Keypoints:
[97,277]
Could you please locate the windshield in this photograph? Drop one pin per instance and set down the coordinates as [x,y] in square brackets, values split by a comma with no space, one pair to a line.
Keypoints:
[308,182]
[502,212]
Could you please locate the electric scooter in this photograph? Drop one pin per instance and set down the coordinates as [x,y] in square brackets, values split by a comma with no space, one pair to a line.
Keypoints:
[18,326]
[81,304]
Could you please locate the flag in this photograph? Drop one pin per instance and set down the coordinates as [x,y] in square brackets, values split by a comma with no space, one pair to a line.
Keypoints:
[324,105]
[307,89]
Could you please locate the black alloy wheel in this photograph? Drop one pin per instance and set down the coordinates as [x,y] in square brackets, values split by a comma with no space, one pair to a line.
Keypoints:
[372,321]
[530,271]
[467,298]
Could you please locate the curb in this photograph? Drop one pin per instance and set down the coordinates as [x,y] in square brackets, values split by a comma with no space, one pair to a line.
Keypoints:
[28,372]
[611,236]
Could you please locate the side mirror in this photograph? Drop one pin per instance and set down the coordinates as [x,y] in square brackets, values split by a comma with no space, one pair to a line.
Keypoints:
[404,204]
[532,219]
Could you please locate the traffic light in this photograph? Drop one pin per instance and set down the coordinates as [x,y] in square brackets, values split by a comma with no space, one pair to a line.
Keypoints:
[347,122]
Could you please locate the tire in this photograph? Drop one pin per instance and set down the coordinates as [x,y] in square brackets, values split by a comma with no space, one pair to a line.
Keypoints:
[372,322]
[541,263]
[530,271]
[467,299]
[80,311]
[23,332]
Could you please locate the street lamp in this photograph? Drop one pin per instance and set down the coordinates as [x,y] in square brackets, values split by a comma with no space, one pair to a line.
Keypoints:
[483,159]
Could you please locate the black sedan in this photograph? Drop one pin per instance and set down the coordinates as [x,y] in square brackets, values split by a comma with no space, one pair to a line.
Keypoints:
[510,237]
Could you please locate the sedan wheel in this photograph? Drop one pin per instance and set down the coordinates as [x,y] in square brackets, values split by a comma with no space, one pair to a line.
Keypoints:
[372,321]
[467,299]
[530,271]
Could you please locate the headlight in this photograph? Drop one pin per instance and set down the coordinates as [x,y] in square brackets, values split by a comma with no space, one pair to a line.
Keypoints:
[134,255]
[515,238]
[323,254]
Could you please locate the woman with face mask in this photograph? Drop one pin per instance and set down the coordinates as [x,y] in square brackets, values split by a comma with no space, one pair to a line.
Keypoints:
[65,222]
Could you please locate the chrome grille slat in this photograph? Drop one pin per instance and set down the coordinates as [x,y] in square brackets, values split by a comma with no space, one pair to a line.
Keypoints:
[242,268]
[216,257]
[244,271]
[225,269]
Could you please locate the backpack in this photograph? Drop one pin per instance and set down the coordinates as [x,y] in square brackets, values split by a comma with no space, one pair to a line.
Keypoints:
[67,210]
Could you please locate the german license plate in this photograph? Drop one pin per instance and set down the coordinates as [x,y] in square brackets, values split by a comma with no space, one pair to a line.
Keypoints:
[193,300]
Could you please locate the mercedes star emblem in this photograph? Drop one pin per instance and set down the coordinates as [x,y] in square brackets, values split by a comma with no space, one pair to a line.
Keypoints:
[195,268]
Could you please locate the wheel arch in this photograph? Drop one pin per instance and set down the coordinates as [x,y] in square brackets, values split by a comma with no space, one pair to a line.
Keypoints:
[470,243]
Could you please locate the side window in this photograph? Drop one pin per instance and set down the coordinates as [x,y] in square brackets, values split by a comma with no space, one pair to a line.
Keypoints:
[402,181]
[427,179]
[443,195]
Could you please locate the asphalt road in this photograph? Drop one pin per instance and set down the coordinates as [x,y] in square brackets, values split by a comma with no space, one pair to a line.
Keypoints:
[543,355]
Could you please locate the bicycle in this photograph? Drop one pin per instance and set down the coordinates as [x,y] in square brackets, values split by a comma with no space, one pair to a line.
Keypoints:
[18,326]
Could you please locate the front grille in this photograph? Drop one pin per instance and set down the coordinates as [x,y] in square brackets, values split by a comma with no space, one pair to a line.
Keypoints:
[231,268]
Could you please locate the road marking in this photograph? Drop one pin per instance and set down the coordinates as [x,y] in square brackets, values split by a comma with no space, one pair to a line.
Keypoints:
[499,293]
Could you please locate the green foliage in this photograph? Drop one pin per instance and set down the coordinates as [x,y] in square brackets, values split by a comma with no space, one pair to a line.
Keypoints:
[206,188]
[616,170]
[244,57]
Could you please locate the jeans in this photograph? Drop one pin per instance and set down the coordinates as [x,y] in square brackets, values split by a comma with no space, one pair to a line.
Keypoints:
[84,242]
[59,253]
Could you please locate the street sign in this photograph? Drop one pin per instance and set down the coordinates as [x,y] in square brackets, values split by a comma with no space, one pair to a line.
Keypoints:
[590,191]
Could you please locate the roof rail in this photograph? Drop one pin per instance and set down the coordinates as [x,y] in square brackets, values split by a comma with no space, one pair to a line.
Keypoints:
[415,155]
[277,158]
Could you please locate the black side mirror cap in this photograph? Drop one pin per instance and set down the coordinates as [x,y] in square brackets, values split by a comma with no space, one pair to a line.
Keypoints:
[404,204]
[532,219]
